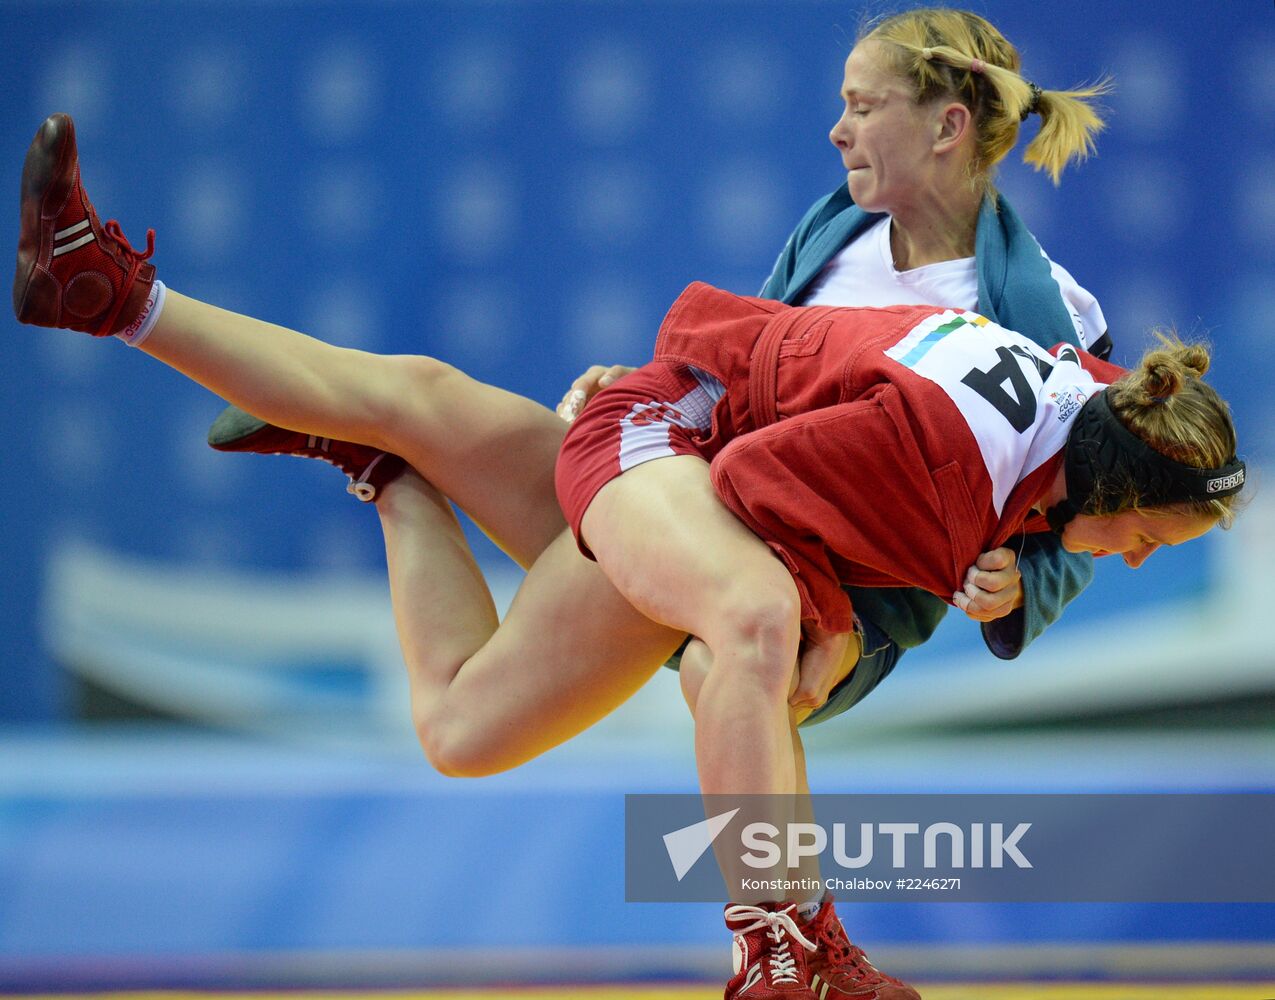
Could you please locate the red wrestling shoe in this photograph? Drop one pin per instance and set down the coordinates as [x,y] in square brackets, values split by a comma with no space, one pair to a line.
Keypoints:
[369,470]
[840,970]
[770,954]
[73,272]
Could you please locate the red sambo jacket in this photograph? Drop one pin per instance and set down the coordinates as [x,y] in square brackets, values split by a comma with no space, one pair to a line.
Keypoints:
[878,447]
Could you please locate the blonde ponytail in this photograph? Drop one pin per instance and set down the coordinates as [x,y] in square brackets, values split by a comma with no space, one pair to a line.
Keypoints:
[1069,122]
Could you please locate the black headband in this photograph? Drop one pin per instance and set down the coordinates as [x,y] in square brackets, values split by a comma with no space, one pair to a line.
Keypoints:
[1104,458]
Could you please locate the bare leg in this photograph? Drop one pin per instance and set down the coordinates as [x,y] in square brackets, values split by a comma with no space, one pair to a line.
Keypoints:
[485,699]
[490,451]
[697,661]
[663,537]
[804,809]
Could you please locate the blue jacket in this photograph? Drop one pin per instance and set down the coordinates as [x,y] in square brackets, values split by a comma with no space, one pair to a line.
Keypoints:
[1017,290]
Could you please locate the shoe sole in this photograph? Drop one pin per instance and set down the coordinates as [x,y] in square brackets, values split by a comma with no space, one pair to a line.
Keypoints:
[45,181]
[233,428]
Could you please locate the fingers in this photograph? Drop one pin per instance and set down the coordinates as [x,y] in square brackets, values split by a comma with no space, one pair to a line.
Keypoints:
[809,697]
[588,382]
[982,606]
[571,405]
[992,582]
[1001,558]
[581,389]
[993,572]
[614,374]
[993,586]
[822,665]
[585,387]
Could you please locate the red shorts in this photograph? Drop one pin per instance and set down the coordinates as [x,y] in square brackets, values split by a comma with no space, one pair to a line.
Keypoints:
[660,410]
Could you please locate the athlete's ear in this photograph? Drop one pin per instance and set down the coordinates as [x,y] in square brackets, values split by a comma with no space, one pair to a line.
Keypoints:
[953,125]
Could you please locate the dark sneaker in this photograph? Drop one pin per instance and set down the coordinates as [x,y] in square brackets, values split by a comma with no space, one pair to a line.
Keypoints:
[369,470]
[840,970]
[770,954]
[73,272]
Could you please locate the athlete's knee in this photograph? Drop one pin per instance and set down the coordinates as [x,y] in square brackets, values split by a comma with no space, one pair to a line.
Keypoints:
[415,385]
[757,631]
[427,373]
[453,749]
[765,613]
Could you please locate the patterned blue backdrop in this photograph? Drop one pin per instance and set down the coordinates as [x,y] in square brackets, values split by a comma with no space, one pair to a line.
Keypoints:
[520,188]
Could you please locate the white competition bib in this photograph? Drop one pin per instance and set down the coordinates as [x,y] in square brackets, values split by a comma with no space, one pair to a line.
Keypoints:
[1017,399]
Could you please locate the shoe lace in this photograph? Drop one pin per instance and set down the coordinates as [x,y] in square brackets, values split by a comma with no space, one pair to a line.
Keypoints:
[113,230]
[839,948]
[358,486]
[779,926]
[135,258]
[848,957]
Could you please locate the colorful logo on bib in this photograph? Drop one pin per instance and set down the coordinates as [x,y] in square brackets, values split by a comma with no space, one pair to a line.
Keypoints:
[1069,402]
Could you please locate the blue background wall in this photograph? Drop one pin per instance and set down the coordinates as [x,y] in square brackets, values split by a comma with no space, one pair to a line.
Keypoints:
[522,188]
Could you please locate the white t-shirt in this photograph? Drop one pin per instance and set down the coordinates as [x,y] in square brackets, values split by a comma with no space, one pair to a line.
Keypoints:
[863,274]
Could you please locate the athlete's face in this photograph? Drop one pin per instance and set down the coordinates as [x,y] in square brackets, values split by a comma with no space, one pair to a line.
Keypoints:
[885,138]
[1133,534]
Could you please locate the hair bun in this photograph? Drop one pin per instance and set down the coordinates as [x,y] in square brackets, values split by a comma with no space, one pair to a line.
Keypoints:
[1196,359]
[1165,371]
[1162,378]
